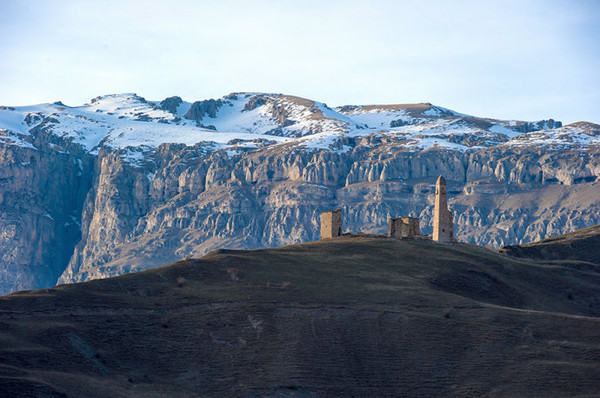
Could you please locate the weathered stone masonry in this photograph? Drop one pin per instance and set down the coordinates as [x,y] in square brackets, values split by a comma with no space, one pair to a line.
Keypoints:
[403,227]
[442,217]
[331,224]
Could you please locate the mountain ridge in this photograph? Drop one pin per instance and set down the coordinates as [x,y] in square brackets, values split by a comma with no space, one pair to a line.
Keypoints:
[276,117]
[120,184]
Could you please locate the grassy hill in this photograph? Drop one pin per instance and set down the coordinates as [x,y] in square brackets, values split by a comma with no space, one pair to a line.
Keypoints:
[582,245]
[353,316]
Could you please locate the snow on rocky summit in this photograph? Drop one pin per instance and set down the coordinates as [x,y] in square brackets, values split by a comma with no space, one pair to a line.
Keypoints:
[248,120]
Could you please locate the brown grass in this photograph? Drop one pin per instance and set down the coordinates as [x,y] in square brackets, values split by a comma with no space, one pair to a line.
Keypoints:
[353,316]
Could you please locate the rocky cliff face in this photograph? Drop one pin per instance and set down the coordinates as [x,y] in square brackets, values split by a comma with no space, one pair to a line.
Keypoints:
[271,198]
[124,184]
[41,196]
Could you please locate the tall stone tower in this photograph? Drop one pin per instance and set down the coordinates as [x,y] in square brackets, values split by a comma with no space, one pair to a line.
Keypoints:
[442,218]
[331,224]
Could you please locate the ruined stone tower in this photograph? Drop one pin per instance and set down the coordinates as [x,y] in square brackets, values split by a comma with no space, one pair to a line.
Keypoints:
[331,224]
[442,218]
[403,227]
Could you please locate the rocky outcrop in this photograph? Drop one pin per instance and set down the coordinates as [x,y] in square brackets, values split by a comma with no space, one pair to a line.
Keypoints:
[255,102]
[199,109]
[117,200]
[171,104]
[41,198]
[539,125]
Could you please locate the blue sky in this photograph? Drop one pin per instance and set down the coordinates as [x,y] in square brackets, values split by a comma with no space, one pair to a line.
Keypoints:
[524,60]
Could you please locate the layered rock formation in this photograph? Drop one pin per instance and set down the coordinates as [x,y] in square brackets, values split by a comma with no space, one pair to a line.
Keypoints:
[148,186]
[41,197]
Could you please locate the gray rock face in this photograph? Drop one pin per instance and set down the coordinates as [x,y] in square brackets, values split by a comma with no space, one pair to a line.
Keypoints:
[194,204]
[171,104]
[41,197]
[539,125]
[74,208]
[199,109]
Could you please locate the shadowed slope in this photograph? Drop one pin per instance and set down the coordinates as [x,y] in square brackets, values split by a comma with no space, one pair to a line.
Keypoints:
[353,316]
[582,245]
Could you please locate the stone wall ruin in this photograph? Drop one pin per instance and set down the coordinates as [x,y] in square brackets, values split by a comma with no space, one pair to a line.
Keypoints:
[403,227]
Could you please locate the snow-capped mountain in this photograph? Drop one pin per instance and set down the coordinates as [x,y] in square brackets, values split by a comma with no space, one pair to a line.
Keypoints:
[122,183]
[125,121]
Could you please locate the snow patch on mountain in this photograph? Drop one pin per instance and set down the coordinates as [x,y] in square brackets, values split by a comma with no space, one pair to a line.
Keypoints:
[117,121]
[381,119]
[127,106]
[231,116]
[500,129]
[246,121]
[576,135]
[9,137]
[322,141]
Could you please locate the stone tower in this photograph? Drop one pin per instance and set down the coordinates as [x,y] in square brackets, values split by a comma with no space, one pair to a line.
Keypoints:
[403,227]
[442,218]
[331,224]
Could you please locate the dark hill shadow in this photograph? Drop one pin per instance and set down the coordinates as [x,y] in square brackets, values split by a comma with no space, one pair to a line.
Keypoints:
[351,316]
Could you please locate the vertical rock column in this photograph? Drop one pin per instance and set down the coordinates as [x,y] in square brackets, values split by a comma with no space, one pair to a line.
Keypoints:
[442,218]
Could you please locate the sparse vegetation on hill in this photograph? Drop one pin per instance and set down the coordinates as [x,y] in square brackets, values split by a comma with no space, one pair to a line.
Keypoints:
[351,316]
[582,245]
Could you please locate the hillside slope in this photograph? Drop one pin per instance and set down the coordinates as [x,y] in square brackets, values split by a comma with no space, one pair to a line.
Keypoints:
[582,245]
[354,316]
[122,184]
